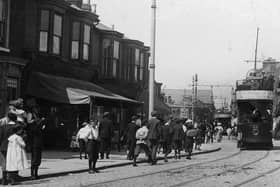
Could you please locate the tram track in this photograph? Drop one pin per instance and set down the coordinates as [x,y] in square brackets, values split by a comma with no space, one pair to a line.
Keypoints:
[164,170]
[227,170]
[258,176]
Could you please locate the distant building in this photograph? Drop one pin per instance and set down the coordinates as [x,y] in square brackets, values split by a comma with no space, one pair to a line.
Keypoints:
[180,102]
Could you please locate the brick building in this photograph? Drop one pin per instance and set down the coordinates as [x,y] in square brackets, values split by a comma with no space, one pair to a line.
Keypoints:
[57,54]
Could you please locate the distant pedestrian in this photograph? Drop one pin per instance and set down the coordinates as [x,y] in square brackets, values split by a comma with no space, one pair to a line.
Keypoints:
[141,143]
[106,133]
[189,139]
[81,138]
[35,128]
[198,138]
[177,137]
[6,130]
[229,133]
[166,137]
[93,143]
[154,126]
[16,155]
[131,139]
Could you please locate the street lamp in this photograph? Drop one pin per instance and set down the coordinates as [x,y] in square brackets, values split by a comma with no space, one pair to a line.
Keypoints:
[152,60]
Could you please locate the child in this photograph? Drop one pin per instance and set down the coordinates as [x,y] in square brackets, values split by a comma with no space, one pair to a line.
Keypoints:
[16,155]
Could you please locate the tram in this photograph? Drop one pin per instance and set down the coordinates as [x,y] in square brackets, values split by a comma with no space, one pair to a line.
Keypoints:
[254,104]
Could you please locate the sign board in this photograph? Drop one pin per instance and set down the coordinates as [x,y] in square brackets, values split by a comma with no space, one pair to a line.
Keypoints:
[184,113]
[254,95]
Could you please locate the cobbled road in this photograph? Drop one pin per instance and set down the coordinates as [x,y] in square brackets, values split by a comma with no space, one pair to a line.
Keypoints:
[227,167]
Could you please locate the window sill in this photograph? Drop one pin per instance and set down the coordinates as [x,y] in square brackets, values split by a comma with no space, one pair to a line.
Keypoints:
[4,49]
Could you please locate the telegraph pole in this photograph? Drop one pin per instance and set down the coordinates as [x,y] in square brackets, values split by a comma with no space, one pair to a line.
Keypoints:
[193,85]
[256,50]
[152,62]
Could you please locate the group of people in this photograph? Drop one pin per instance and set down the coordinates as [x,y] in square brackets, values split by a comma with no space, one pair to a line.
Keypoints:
[155,134]
[20,131]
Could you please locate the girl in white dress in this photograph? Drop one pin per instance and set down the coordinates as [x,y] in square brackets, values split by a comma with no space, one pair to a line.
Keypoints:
[16,155]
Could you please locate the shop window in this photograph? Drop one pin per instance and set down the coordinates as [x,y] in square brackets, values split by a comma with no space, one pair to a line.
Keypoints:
[75,40]
[44,31]
[57,33]
[86,42]
[12,89]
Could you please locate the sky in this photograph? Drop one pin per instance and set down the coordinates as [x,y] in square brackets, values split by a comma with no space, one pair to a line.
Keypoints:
[212,38]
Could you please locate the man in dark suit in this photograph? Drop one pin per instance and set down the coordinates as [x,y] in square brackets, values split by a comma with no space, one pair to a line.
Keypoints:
[6,130]
[130,136]
[154,127]
[106,133]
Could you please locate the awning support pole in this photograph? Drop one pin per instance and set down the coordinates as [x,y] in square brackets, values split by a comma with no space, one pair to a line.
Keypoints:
[90,107]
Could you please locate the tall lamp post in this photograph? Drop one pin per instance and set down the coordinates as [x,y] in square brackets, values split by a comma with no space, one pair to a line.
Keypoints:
[152,62]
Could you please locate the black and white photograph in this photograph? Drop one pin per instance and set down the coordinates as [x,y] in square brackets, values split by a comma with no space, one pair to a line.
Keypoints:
[140,93]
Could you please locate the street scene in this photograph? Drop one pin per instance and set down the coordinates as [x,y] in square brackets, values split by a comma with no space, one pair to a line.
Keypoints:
[139,93]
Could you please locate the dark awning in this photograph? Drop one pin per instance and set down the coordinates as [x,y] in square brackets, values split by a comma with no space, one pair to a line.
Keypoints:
[68,90]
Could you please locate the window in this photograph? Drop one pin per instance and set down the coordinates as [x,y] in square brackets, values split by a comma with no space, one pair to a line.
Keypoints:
[86,42]
[44,31]
[75,40]
[12,89]
[141,67]
[137,64]
[57,33]
[4,10]
[106,57]
[115,58]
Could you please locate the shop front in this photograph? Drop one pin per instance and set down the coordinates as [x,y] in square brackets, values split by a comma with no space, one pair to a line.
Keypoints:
[67,102]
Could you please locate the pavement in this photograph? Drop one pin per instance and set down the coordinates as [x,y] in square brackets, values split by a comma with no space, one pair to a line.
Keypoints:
[60,163]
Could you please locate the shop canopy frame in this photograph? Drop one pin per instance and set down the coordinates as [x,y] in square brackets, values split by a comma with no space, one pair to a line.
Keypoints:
[69,91]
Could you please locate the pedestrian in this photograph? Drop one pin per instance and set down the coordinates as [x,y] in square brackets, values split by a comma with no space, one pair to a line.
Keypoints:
[198,138]
[166,137]
[229,133]
[106,133]
[189,139]
[220,131]
[35,129]
[6,130]
[81,138]
[154,135]
[16,155]
[141,143]
[130,137]
[208,134]
[93,143]
[177,137]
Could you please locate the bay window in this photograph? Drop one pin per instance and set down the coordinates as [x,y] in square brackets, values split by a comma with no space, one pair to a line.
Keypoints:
[86,42]
[75,40]
[57,33]
[115,58]
[44,31]
[141,67]
[137,64]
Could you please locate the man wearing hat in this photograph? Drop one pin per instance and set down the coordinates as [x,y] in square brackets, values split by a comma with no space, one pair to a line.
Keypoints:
[154,127]
[130,135]
[106,133]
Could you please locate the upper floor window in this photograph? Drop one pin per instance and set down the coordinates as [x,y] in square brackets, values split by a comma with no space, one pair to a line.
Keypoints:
[75,40]
[106,45]
[57,33]
[86,42]
[4,15]
[44,30]
[80,44]
[137,64]
[50,37]
[141,67]
[115,58]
